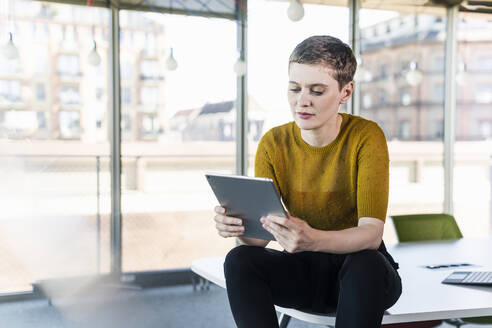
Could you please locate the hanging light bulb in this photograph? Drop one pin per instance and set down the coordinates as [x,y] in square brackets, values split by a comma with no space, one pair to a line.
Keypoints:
[10,51]
[295,12]
[462,76]
[171,63]
[94,57]
[240,67]
[414,76]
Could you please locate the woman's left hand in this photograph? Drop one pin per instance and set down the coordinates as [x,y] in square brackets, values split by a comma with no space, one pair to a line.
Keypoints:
[292,233]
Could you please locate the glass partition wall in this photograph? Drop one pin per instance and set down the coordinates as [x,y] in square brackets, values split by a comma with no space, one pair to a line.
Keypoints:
[54,150]
[401,87]
[473,147]
[178,120]
[268,65]
[177,124]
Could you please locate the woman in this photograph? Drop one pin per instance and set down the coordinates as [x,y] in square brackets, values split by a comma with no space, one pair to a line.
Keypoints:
[331,170]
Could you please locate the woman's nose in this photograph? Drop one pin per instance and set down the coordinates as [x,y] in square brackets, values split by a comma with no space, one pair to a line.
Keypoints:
[304,98]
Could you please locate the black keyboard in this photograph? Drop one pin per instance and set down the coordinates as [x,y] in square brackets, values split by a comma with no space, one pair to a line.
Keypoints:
[483,278]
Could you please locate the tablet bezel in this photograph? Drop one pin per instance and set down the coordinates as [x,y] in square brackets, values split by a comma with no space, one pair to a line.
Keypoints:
[248,198]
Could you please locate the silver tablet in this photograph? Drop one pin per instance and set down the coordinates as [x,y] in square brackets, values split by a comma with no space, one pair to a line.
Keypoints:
[249,199]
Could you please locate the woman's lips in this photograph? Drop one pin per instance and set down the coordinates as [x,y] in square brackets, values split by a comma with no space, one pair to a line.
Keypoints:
[304,116]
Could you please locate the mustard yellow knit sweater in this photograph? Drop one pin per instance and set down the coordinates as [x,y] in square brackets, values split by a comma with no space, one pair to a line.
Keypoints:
[329,187]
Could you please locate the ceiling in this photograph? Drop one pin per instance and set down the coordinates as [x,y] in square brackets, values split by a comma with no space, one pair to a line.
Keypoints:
[225,8]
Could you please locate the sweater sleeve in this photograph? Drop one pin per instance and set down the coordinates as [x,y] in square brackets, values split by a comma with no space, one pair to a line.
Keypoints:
[263,160]
[372,173]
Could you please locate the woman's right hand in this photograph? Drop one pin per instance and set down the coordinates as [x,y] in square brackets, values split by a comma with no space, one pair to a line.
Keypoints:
[227,226]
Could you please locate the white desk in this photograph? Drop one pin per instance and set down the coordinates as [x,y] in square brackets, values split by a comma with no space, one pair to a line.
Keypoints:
[423,297]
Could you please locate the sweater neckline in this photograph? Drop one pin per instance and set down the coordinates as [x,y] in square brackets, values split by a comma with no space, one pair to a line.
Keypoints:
[324,149]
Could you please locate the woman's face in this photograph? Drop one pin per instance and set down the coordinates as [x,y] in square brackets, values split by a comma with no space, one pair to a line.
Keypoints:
[314,96]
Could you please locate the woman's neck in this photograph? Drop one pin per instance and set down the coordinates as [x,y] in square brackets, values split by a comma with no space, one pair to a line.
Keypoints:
[324,135]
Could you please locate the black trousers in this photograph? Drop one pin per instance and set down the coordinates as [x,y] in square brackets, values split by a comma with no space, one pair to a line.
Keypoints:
[361,285]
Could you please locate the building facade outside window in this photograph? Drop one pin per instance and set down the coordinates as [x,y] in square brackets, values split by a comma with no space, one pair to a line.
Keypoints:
[40,91]
[68,65]
[10,90]
[69,95]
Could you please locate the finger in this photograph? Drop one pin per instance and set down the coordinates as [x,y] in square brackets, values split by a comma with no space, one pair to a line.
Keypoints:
[230,234]
[274,225]
[219,209]
[285,242]
[289,244]
[226,234]
[282,241]
[285,237]
[276,230]
[278,220]
[229,228]
[228,220]
[273,232]
[292,223]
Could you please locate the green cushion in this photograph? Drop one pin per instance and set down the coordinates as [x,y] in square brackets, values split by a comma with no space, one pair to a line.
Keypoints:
[479,320]
[421,227]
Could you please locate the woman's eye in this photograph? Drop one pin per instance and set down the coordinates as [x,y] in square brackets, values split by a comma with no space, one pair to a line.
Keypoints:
[295,90]
[316,93]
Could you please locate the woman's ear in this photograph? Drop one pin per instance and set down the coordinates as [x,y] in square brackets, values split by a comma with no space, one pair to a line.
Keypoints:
[347,91]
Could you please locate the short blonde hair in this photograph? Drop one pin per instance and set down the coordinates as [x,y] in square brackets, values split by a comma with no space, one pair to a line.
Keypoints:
[329,51]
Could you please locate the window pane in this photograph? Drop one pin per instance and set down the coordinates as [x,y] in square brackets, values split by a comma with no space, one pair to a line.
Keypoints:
[40,92]
[176,126]
[70,125]
[10,91]
[69,95]
[54,154]
[149,97]
[68,65]
[9,67]
[149,69]
[268,66]
[406,65]
[473,147]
